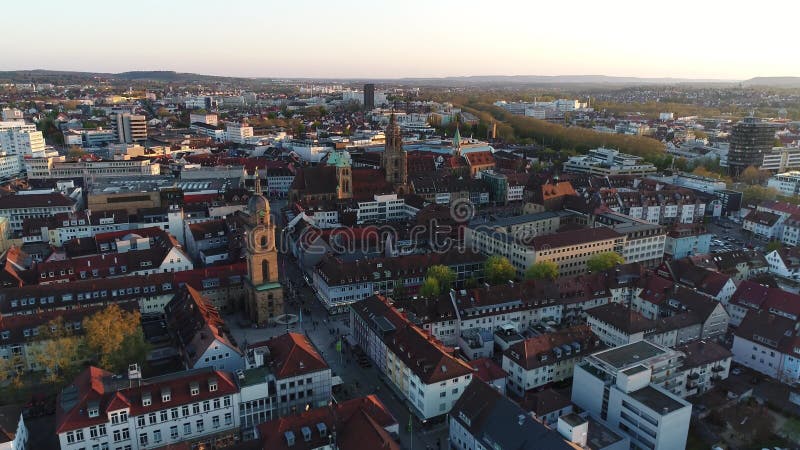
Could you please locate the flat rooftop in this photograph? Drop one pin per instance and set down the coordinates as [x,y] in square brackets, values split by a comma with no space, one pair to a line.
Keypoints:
[254,376]
[627,355]
[573,419]
[634,370]
[656,400]
[600,436]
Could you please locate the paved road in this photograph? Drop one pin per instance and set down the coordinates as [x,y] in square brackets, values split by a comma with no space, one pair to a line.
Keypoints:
[323,331]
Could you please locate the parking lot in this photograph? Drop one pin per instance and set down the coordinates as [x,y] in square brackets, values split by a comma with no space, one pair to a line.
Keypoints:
[728,235]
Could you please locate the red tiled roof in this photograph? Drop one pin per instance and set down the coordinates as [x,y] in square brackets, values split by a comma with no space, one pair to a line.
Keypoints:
[359,424]
[97,385]
[487,370]
[529,352]
[484,158]
[294,355]
[428,358]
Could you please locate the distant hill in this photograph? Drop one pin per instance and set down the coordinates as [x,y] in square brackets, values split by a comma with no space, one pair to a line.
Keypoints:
[783,82]
[56,76]
[571,79]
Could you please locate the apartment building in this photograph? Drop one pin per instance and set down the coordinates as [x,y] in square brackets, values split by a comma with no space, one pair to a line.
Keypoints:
[285,376]
[105,411]
[200,334]
[686,240]
[644,242]
[19,207]
[523,247]
[705,363]
[56,167]
[620,388]
[605,161]
[359,423]
[238,133]
[339,283]
[484,418]
[425,373]
[787,183]
[547,358]
[130,128]
[769,343]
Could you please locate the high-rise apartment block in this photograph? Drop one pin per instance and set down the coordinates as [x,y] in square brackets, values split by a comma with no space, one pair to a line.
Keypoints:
[130,128]
[751,139]
[369,96]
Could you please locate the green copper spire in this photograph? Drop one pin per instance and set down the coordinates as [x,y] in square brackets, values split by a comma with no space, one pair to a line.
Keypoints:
[457,138]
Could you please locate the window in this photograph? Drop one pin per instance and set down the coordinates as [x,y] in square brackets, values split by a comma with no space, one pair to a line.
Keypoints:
[187,428]
[173,432]
[185,410]
[152,418]
[70,437]
[228,418]
[164,416]
[174,413]
[206,406]
[196,408]
[216,403]
[143,439]
[226,401]
[199,425]
[195,389]
[140,421]
[215,421]
[157,436]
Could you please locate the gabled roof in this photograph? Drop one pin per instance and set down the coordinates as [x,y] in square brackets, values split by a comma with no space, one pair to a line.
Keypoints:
[547,348]
[494,419]
[109,393]
[359,423]
[293,354]
[487,370]
[197,325]
[622,318]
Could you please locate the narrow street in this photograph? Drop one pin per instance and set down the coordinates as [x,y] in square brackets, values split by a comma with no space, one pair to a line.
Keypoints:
[323,331]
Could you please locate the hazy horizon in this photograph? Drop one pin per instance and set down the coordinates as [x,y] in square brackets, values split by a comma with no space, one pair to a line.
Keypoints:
[414,39]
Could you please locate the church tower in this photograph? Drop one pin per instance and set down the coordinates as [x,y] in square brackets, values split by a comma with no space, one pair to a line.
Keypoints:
[457,142]
[395,158]
[264,301]
[344,173]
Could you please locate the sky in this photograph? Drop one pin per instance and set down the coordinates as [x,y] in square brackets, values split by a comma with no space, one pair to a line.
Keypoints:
[707,39]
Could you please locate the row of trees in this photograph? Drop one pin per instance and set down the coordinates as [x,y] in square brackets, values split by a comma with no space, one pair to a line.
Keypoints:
[576,138]
[111,339]
[548,270]
[497,270]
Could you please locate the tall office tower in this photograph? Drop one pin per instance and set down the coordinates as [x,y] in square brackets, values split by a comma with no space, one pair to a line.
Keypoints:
[130,128]
[751,139]
[369,96]
[17,140]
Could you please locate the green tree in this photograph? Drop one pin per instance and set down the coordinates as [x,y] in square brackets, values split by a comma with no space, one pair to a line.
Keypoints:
[443,274]
[603,261]
[430,288]
[399,290]
[757,194]
[498,270]
[59,352]
[114,338]
[773,245]
[543,270]
[752,176]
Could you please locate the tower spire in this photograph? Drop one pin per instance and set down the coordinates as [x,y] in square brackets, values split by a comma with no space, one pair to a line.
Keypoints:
[257,187]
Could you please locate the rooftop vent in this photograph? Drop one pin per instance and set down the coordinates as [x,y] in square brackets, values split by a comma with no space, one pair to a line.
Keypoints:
[323,429]
[306,433]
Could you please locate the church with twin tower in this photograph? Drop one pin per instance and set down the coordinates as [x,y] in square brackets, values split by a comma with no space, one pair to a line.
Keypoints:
[264,292]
